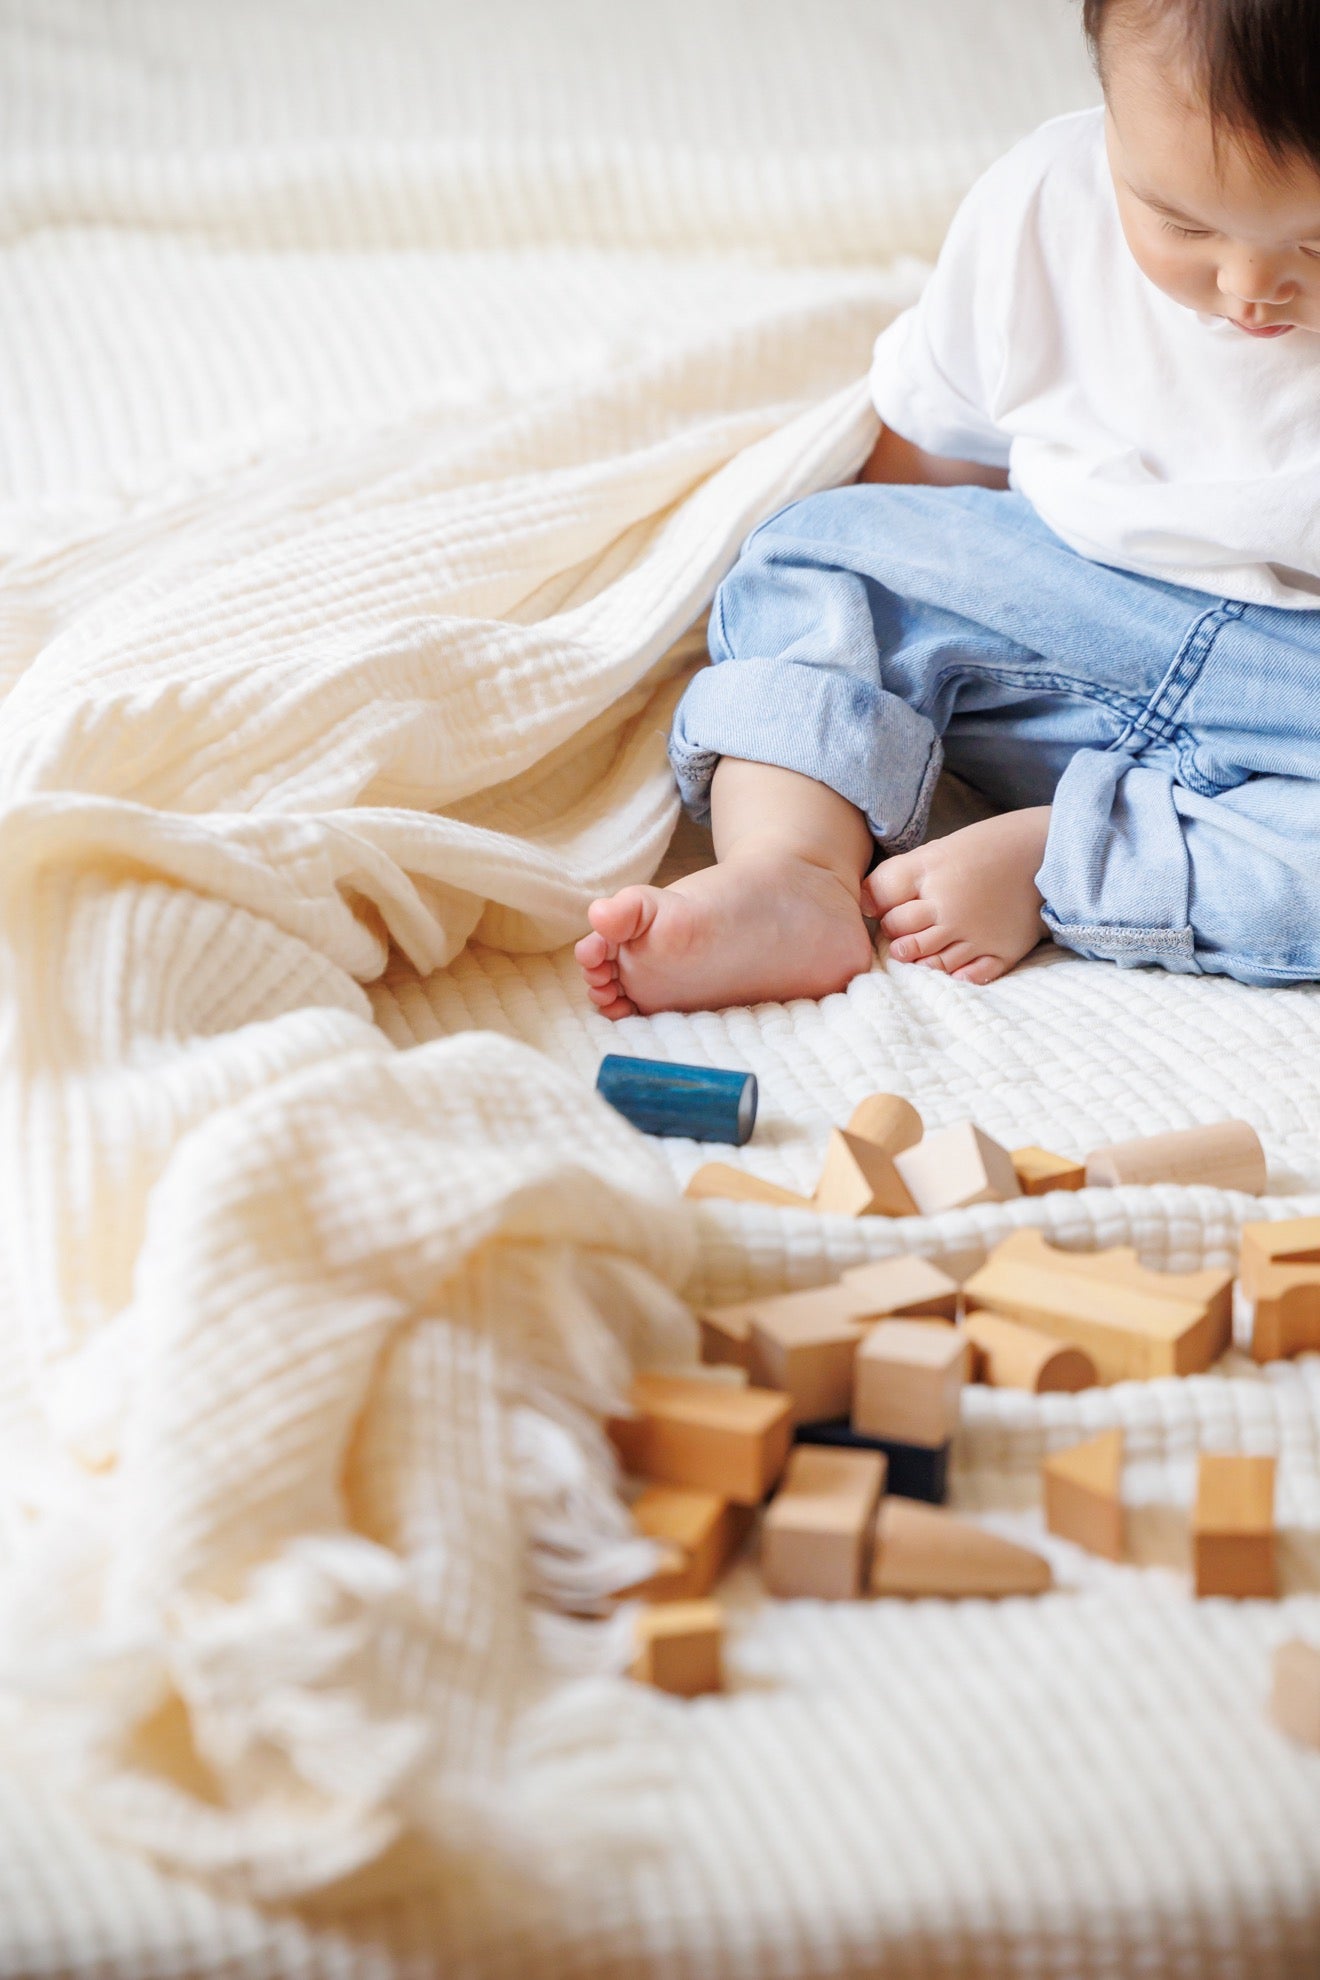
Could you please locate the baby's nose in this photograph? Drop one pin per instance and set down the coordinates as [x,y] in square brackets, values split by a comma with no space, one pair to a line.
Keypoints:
[1254,279]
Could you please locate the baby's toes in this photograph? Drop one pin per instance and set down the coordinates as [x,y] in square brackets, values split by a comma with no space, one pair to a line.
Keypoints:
[591,951]
[984,969]
[915,948]
[891,883]
[909,918]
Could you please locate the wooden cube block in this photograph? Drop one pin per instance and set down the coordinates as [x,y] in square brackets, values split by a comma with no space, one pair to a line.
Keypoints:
[924,1551]
[1227,1156]
[886,1121]
[1083,1494]
[1280,1272]
[721,1179]
[1295,1697]
[686,1432]
[860,1180]
[1135,1324]
[1039,1172]
[917,1471]
[703,1532]
[908,1382]
[680,1648]
[1008,1355]
[893,1288]
[805,1343]
[816,1534]
[1233,1526]
[726,1335]
[957,1166]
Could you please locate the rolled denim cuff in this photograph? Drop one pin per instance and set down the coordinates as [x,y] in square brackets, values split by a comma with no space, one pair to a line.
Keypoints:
[1115,876]
[865,744]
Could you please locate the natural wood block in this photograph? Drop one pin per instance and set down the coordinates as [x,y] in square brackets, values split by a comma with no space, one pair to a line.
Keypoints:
[716,1438]
[1280,1270]
[1011,1356]
[908,1382]
[703,1530]
[1227,1156]
[1039,1172]
[1295,1697]
[805,1343]
[924,1550]
[887,1121]
[907,1287]
[721,1179]
[957,1166]
[1083,1494]
[726,1335]
[816,1533]
[1233,1526]
[859,1180]
[679,1648]
[1135,1324]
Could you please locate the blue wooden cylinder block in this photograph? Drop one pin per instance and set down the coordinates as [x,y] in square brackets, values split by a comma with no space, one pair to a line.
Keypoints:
[700,1102]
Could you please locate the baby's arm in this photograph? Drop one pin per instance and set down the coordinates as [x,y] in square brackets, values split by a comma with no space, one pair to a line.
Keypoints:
[895,459]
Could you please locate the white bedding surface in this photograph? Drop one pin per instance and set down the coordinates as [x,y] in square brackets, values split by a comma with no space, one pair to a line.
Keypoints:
[383,395]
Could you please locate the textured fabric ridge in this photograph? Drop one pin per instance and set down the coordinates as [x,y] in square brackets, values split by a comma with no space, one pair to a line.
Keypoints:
[384,393]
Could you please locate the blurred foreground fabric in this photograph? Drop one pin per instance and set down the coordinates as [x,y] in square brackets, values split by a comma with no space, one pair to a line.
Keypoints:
[384,391]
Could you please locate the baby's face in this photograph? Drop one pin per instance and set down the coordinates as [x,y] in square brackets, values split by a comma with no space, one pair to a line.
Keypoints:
[1228,236]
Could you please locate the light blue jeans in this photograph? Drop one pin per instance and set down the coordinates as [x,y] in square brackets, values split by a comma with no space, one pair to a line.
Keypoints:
[872,634]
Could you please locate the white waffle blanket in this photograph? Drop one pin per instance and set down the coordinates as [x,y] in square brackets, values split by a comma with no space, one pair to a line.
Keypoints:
[383,390]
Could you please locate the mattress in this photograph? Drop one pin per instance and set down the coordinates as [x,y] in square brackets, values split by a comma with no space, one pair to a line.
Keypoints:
[454,349]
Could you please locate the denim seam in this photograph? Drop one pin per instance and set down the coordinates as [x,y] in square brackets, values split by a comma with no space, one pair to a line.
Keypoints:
[914,831]
[1125,936]
[1188,663]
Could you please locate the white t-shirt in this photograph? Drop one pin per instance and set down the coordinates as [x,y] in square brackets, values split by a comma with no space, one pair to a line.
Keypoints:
[1144,434]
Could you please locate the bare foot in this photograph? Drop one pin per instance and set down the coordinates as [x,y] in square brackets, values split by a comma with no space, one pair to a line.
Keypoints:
[759,927]
[967,904]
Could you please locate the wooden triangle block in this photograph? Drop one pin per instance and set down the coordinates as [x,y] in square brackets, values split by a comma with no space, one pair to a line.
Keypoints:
[1083,1494]
[860,1180]
[721,1179]
[924,1550]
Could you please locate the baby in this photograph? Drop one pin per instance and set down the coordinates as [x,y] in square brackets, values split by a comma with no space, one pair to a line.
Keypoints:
[1081,569]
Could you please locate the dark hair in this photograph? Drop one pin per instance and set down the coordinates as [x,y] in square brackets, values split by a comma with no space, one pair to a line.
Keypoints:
[1254,63]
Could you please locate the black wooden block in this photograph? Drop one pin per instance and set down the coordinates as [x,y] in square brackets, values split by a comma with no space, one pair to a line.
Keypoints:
[915,1470]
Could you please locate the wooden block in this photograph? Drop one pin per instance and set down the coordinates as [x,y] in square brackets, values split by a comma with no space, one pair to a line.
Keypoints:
[887,1122]
[704,1434]
[1135,1324]
[1295,1697]
[1010,1356]
[924,1550]
[816,1534]
[1083,1494]
[721,1179]
[1233,1526]
[701,1529]
[917,1471]
[1280,1270]
[957,1166]
[908,1382]
[679,1648]
[1227,1156]
[1293,1241]
[1039,1172]
[726,1335]
[906,1287]
[859,1180]
[805,1343]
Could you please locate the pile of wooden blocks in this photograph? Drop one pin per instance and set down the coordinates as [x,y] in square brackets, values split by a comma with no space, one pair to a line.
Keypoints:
[884,1164]
[845,1399]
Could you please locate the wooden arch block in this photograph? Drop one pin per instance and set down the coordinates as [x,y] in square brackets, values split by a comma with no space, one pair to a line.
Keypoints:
[1010,1356]
[1280,1270]
[924,1550]
[1083,1494]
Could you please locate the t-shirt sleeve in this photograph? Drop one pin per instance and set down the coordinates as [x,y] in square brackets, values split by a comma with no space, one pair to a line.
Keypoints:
[934,370]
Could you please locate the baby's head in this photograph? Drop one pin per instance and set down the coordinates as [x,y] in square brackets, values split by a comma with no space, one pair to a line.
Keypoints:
[1213,129]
